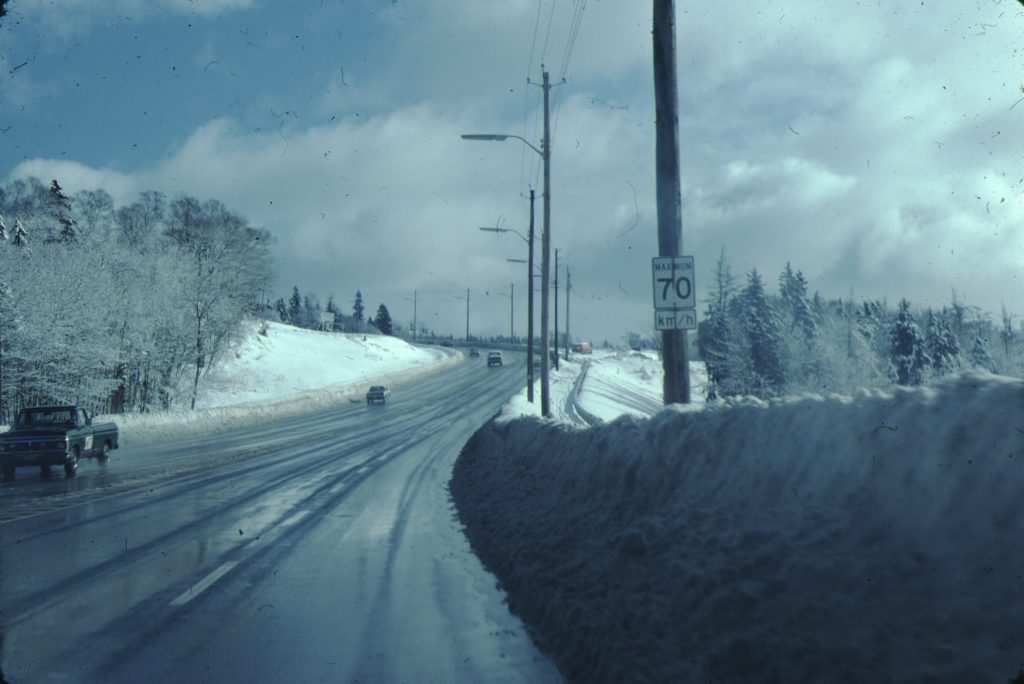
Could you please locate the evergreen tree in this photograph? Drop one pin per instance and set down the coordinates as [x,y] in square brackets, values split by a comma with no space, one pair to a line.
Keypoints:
[764,332]
[1006,336]
[979,356]
[793,293]
[282,310]
[941,345]
[311,311]
[383,320]
[906,347]
[61,207]
[295,308]
[20,237]
[358,311]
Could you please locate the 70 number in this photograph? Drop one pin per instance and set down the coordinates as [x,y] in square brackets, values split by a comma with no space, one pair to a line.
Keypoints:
[682,287]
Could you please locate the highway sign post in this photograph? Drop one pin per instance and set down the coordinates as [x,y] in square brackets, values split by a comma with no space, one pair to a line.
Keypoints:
[675,301]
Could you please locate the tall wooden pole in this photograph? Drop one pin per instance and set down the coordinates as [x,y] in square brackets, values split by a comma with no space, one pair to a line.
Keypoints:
[674,345]
[545,259]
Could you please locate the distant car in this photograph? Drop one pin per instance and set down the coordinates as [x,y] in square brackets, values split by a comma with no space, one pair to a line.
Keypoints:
[377,394]
[447,343]
[473,351]
[494,358]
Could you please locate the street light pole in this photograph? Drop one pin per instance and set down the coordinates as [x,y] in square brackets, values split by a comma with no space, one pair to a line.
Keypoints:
[529,305]
[512,313]
[529,293]
[545,153]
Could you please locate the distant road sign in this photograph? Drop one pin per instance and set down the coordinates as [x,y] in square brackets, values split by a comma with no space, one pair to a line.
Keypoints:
[675,319]
[673,283]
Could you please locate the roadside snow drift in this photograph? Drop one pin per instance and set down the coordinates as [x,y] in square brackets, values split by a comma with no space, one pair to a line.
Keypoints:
[870,539]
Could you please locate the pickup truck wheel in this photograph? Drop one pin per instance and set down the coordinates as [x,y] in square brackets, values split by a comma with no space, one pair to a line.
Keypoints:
[71,464]
[104,456]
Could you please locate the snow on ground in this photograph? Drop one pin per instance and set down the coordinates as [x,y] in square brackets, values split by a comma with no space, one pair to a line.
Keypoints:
[287,372]
[876,538]
[602,386]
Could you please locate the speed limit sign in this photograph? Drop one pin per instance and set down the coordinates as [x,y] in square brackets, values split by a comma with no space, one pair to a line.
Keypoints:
[673,283]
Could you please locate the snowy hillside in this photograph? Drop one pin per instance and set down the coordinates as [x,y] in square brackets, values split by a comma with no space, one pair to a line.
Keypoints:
[814,539]
[287,372]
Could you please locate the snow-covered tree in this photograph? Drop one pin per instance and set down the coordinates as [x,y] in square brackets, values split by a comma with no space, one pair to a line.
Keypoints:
[20,237]
[60,206]
[4,235]
[797,309]
[941,346]
[906,347]
[95,209]
[979,357]
[764,333]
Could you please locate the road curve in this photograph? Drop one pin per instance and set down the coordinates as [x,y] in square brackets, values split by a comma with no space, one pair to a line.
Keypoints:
[323,548]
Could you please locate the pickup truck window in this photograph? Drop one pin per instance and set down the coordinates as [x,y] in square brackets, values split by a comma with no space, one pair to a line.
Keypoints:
[44,418]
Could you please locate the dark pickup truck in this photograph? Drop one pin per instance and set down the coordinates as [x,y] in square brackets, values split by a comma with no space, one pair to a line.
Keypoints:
[46,436]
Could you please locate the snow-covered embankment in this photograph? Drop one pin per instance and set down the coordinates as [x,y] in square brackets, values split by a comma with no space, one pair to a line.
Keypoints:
[878,538]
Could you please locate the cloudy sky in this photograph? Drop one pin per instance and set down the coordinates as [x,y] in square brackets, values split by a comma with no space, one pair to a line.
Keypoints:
[876,145]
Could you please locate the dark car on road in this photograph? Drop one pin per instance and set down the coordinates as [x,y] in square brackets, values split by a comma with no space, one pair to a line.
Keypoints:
[46,436]
[377,394]
[473,351]
[494,358]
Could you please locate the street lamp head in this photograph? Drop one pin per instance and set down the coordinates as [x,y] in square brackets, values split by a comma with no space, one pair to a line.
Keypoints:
[517,261]
[483,136]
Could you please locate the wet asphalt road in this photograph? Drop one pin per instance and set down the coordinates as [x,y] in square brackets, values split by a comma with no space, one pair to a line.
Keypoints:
[319,549]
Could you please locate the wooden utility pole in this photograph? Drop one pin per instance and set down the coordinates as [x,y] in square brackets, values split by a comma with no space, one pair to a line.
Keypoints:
[556,310]
[676,387]
[545,257]
[568,288]
[674,345]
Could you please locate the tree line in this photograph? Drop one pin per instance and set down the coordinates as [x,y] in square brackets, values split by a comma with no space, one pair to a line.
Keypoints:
[763,343]
[304,311]
[119,308]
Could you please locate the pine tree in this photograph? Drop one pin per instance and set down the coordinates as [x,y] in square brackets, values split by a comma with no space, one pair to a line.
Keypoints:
[941,345]
[295,308]
[357,309]
[906,347]
[20,237]
[764,333]
[979,357]
[383,320]
[311,311]
[793,292]
[62,212]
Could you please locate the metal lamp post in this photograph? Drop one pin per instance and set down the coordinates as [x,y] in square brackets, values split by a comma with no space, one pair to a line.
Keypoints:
[545,152]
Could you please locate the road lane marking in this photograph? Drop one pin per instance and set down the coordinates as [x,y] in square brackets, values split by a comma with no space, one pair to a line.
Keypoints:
[205,584]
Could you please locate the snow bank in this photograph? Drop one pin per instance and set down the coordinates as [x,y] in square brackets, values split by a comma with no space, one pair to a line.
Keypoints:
[814,539]
[630,383]
[288,372]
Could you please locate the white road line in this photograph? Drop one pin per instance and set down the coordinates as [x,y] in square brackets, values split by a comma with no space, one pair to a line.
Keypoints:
[205,584]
